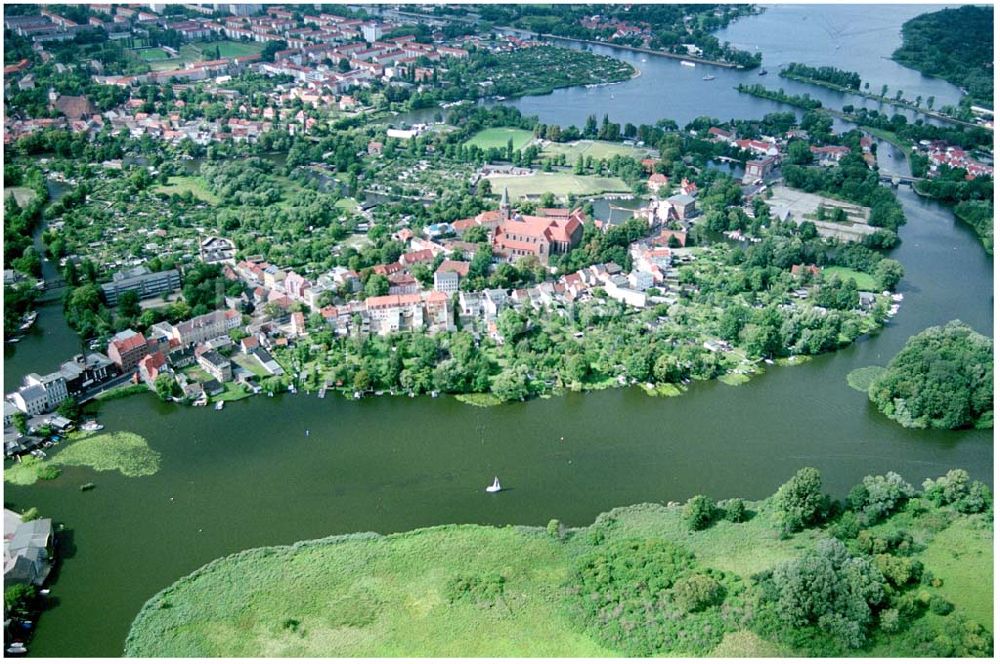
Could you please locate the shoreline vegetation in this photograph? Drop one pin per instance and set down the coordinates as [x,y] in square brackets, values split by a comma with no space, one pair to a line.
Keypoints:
[904,572]
[832,79]
[635,49]
[122,451]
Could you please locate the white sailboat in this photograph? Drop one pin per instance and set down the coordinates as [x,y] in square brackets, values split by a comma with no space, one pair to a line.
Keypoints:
[495,487]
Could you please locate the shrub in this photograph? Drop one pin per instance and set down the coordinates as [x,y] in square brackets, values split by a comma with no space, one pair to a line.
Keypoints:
[955,489]
[873,544]
[483,589]
[799,501]
[697,592]
[898,571]
[941,606]
[847,527]
[699,513]
[733,510]
[888,621]
[879,496]
[554,529]
[48,472]
[827,591]
[623,594]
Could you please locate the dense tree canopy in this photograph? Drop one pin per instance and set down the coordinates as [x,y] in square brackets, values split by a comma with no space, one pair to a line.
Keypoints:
[954,44]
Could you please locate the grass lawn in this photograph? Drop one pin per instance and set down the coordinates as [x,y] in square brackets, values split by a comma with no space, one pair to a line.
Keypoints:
[595,149]
[181,184]
[560,184]
[366,595]
[196,373]
[233,392]
[865,281]
[961,556]
[496,137]
[250,364]
[363,596]
[227,49]
[23,195]
[348,204]
[289,190]
[153,54]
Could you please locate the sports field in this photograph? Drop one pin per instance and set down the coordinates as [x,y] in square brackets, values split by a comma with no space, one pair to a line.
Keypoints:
[559,184]
[497,137]
[595,149]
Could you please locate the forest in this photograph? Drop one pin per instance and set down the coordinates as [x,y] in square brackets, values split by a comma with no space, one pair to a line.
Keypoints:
[953,44]
[942,378]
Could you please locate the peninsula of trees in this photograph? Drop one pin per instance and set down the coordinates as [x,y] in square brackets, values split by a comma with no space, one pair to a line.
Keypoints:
[943,378]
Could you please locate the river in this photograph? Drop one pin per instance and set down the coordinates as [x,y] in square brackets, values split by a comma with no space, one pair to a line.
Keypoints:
[835,35]
[249,476]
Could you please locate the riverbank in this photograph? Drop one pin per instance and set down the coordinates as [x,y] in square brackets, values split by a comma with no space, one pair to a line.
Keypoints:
[634,49]
[896,103]
[467,590]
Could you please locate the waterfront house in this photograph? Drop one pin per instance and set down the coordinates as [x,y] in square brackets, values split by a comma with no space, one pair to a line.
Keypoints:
[126,349]
[26,549]
[683,206]
[866,300]
[151,366]
[30,400]
[215,364]
[267,362]
[85,373]
[54,385]
[212,387]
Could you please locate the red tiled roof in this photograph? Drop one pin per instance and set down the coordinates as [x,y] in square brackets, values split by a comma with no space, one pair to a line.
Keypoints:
[459,267]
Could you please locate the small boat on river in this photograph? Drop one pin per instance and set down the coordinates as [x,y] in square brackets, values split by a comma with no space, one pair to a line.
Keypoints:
[495,487]
[28,320]
[708,78]
[687,63]
[220,405]
[91,425]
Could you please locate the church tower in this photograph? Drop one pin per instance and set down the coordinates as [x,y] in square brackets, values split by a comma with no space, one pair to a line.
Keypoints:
[505,205]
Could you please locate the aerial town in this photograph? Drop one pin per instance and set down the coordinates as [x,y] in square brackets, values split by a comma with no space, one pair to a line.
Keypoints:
[217,215]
